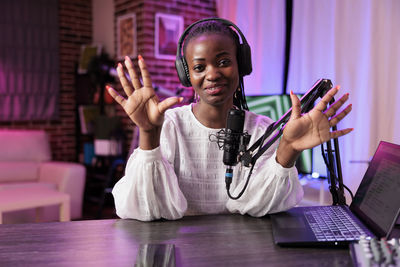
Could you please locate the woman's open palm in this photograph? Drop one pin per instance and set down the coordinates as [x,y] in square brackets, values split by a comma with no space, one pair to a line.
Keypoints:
[314,128]
[142,104]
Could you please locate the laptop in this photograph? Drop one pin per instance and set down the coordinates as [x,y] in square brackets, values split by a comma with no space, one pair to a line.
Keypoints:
[374,209]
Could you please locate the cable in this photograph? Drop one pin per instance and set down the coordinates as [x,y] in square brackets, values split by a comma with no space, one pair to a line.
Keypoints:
[351,193]
[229,181]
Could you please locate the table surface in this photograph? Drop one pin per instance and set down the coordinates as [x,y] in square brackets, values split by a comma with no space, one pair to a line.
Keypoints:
[215,240]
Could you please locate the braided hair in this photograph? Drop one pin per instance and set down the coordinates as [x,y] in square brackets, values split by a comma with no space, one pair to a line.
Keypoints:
[215,26]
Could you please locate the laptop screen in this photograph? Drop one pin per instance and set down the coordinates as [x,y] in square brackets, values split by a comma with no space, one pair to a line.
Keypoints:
[377,199]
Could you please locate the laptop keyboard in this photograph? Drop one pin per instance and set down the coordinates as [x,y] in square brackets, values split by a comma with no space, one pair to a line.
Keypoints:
[333,223]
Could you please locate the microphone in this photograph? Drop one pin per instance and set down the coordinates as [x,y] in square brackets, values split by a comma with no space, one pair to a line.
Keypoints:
[232,142]
[233,132]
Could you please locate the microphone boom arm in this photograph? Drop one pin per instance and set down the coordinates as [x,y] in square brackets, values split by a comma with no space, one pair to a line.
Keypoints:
[319,89]
[331,158]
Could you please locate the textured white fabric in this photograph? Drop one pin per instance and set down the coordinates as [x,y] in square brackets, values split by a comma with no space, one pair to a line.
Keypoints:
[185,175]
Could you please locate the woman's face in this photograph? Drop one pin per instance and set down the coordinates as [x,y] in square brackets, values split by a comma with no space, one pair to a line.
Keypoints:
[213,68]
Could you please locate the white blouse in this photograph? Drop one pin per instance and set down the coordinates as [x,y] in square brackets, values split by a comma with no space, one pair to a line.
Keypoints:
[185,175]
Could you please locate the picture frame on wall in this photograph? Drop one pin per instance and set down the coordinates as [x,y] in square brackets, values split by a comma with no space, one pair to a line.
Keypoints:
[168,29]
[126,36]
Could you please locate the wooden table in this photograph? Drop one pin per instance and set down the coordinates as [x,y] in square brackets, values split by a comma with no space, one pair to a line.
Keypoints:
[217,240]
[19,198]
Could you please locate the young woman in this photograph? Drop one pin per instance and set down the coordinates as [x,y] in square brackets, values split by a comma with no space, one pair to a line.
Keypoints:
[177,171]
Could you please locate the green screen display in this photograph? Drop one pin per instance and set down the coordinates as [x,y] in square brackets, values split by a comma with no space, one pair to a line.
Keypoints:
[274,106]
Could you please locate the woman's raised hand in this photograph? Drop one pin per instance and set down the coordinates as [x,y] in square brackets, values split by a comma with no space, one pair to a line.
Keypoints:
[304,131]
[141,103]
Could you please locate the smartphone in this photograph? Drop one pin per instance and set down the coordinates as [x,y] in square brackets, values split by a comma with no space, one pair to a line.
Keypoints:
[155,255]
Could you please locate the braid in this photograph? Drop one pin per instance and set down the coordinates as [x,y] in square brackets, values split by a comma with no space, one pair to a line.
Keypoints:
[239,99]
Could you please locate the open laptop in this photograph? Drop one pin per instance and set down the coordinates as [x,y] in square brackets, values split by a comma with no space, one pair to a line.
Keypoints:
[375,209]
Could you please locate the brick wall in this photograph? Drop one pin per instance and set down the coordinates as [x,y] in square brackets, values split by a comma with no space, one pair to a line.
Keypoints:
[76,29]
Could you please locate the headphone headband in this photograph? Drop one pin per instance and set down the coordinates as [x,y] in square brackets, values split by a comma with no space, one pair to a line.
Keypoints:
[244,53]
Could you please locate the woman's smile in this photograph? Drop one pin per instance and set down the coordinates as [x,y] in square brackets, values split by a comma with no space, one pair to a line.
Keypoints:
[215,90]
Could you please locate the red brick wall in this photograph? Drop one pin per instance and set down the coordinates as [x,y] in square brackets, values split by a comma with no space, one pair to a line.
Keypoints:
[76,29]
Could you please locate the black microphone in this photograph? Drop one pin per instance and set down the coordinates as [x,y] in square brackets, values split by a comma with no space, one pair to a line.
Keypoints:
[233,132]
[232,142]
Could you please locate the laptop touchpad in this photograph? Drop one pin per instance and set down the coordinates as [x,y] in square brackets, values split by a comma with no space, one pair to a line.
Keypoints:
[290,222]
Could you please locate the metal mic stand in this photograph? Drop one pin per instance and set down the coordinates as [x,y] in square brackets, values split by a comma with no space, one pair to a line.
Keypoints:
[332,157]
[334,170]
[319,89]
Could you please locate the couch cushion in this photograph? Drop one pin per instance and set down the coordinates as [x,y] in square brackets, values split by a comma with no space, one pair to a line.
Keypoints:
[24,145]
[19,171]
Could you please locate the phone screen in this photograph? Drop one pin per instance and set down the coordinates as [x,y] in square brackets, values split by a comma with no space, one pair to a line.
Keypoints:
[156,255]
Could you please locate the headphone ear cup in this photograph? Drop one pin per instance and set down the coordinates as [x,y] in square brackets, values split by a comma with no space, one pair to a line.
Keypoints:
[183,71]
[244,60]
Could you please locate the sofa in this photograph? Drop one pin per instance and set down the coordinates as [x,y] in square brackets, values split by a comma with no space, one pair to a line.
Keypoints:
[26,162]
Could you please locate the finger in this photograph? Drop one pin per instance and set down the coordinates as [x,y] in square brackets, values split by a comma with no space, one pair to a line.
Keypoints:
[132,73]
[338,133]
[296,106]
[335,106]
[168,103]
[124,81]
[335,120]
[321,106]
[145,73]
[117,97]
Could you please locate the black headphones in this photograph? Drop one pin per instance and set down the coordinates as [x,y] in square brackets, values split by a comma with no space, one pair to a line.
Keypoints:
[244,53]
